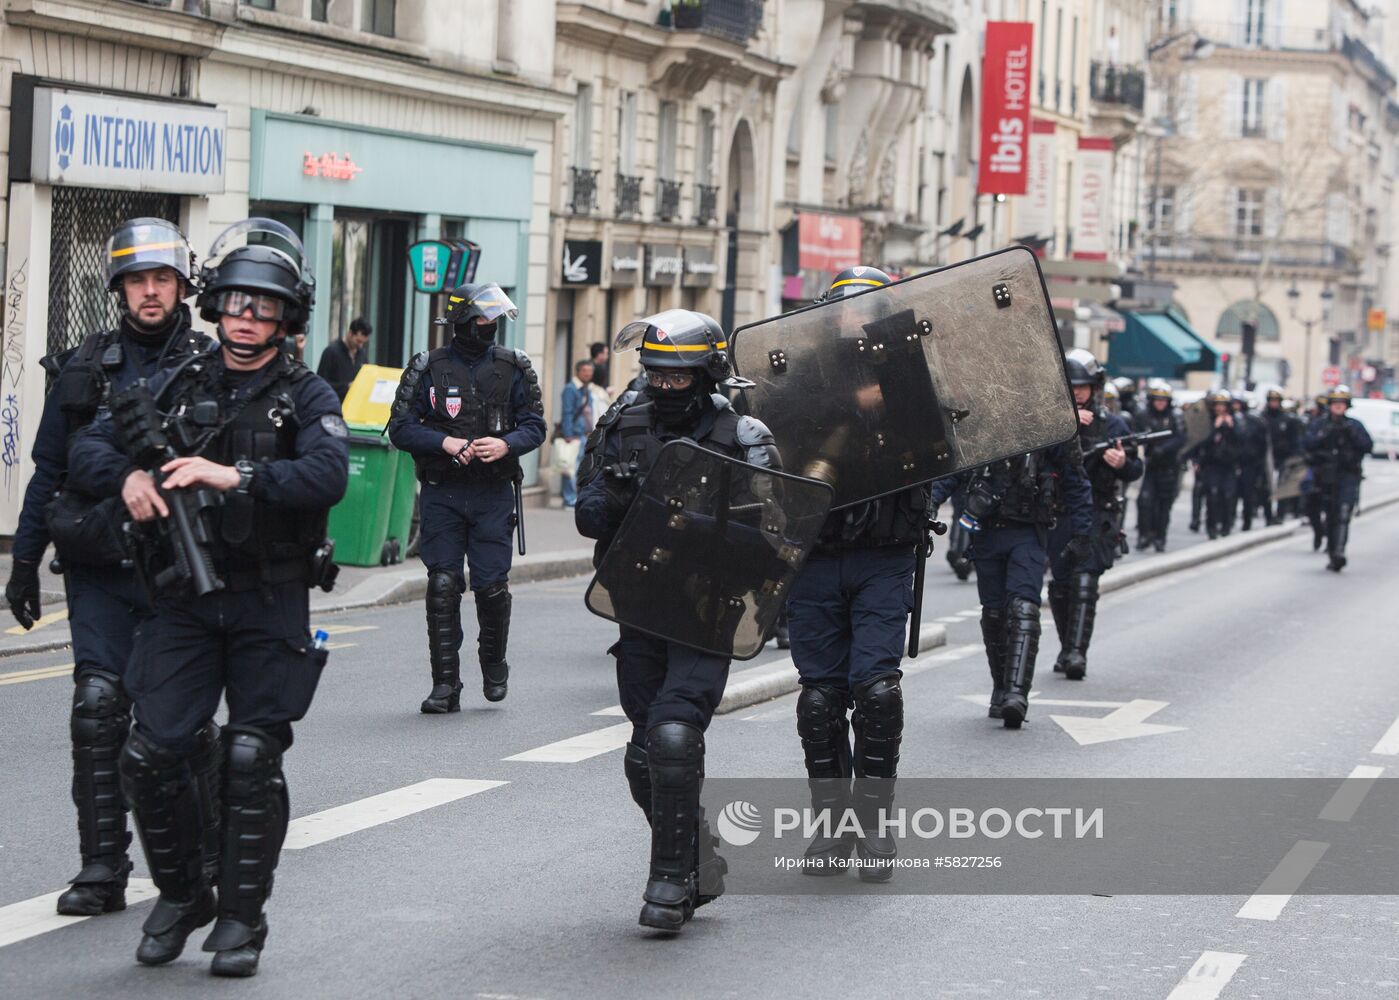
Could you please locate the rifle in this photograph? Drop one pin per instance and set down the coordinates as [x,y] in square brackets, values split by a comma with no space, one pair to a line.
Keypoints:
[920,571]
[1126,439]
[184,533]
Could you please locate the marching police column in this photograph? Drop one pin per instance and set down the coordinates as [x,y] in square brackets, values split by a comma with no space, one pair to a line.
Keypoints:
[466,412]
[149,266]
[250,452]
[669,691]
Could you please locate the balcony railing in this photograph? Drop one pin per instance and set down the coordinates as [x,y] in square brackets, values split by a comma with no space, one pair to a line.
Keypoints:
[733,20]
[584,199]
[1109,84]
[1245,250]
[706,204]
[667,200]
[628,196]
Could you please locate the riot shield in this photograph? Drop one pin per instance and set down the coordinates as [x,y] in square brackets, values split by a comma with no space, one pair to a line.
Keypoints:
[708,551]
[1289,480]
[913,381]
[1199,423]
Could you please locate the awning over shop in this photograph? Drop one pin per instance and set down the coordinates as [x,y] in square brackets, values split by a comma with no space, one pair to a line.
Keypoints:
[1159,344]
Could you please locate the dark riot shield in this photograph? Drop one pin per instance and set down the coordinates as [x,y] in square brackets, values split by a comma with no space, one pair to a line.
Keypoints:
[1199,423]
[1289,480]
[914,381]
[708,550]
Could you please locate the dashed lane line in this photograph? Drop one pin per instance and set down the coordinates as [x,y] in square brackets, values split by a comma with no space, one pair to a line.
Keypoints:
[341,821]
[32,917]
[1284,880]
[1208,976]
[578,748]
[1388,746]
[1352,792]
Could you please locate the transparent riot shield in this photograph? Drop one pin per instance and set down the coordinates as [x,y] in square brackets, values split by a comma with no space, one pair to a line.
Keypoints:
[1289,478]
[1199,423]
[708,551]
[914,381]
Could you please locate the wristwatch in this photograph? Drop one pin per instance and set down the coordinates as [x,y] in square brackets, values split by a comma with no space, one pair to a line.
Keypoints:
[245,475]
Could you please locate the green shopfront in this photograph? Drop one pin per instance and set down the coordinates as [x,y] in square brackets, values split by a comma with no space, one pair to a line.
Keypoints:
[359,196]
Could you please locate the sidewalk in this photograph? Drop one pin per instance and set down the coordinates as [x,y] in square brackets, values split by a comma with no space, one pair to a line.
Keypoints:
[553,549]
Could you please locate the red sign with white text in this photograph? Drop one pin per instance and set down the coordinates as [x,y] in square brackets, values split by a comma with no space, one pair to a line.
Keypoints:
[827,242]
[1005,108]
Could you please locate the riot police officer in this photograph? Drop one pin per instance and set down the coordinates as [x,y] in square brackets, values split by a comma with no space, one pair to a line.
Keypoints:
[1253,490]
[668,691]
[1126,396]
[149,267]
[262,456]
[1217,465]
[848,616]
[1285,438]
[1010,508]
[1161,478]
[1336,446]
[1073,586]
[466,412]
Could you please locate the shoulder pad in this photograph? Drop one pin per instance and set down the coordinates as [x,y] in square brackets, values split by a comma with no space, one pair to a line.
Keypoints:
[534,396]
[751,431]
[408,385]
[54,363]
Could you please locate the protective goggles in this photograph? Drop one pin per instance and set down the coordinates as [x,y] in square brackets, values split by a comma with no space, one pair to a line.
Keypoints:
[237,302]
[670,380]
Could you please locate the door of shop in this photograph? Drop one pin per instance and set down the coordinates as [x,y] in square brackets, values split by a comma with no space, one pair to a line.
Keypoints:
[369,278]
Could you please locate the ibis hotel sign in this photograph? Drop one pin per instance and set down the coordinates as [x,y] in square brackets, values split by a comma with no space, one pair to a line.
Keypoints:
[99,140]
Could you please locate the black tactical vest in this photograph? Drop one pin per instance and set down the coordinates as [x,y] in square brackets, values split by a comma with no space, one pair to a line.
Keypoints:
[1102,478]
[470,406]
[1025,493]
[898,519]
[641,442]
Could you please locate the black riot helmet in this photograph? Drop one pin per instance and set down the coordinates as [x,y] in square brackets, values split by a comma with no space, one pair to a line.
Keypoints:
[259,258]
[1083,369]
[678,338]
[484,299]
[856,279]
[145,244]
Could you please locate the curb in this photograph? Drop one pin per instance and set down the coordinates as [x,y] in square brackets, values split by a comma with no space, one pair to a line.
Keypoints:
[773,680]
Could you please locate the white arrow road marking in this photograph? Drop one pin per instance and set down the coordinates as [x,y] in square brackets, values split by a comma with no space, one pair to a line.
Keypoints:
[1120,724]
[21,921]
[1284,880]
[1208,976]
[329,824]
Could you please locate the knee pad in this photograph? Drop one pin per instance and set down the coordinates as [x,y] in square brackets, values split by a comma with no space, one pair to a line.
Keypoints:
[879,704]
[492,593]
[1023,615]
[249,750]
[676,753]
[148,768]
[820,712]
[101,710]
[443,592]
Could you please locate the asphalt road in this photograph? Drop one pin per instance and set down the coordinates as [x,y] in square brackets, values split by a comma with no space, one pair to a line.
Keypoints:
[1269,666]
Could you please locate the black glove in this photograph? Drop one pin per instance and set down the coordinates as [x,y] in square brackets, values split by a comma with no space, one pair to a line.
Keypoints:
[1079,551]
[23,592]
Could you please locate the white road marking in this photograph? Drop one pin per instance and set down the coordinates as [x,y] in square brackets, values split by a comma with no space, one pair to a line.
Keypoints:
[612,710]
[21,921]
[980,699]
[1388,745]
[576,748]
[1208,976]
[927,661]
[1351,793]
[1121,724]
[344,629]
[948,619]
[330,824]
[1284,880]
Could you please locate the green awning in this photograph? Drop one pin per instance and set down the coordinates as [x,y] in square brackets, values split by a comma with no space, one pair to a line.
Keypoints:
[1159,345]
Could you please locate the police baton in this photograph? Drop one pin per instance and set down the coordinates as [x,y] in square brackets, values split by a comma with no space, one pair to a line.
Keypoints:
[519,511]
[920,572]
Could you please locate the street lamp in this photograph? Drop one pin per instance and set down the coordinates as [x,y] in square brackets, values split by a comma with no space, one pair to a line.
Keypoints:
[1294,294]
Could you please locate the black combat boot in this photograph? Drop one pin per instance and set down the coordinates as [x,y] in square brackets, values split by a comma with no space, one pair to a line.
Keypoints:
[825,735]
[1340,535]
[493,616]
[160,789]
[255,824]
[993,634]
[878,721]
[676,754]
[99,723]
[1022,645]
[1059,608]
[1083,609]
[444,643]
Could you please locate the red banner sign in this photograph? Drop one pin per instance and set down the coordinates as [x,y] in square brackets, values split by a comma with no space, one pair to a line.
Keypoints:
[827,242]
[1005,108]
[1092,221]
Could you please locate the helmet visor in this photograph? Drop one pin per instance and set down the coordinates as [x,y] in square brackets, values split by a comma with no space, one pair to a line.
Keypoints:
[261,232]
[491,303]
[666,324]
[146,245]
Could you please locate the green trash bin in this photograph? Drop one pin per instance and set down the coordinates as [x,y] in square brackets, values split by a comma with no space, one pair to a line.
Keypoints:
[359,523]
[405,495]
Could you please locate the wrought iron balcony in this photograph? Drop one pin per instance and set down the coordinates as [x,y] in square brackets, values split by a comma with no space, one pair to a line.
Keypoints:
[667,200]
[1109,84]
[733,20]
[706,204]
[628,196]
[584,199]
[1248,250]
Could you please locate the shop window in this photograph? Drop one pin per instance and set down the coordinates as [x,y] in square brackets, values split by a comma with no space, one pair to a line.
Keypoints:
[82,219]
[379,17]
[320,10]
[261,4]
[369,278]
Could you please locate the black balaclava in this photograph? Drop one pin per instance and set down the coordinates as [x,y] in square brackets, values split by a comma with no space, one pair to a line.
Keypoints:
[473,339]
[680,407]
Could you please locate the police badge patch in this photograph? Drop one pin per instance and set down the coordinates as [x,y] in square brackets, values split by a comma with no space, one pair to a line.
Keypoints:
[334,425]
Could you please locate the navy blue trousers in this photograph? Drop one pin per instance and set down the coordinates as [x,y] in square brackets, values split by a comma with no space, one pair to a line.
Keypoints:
[1010,562]
[105,605]
[662,681]
[471,522]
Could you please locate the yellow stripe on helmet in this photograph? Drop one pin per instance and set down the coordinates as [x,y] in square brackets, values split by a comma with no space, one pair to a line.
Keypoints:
[684,347]
[128,251]
[859,281]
